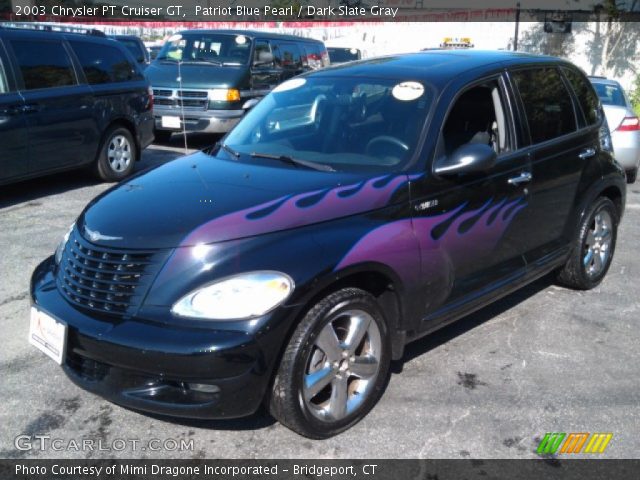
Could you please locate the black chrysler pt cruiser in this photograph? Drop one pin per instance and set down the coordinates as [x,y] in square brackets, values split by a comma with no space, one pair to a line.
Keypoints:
[353,210]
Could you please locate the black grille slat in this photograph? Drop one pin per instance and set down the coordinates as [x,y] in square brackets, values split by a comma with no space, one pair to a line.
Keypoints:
[104,279]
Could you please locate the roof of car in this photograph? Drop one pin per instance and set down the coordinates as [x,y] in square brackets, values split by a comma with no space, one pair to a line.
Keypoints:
[604,80]
[44,34]
[254,33]
[435,66]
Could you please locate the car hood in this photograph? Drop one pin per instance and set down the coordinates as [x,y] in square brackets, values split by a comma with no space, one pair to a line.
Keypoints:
[203,199]
[202,76]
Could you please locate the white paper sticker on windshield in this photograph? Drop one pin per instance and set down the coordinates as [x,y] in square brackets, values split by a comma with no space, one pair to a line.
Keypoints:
[407,91]
[241,39]
[290,85]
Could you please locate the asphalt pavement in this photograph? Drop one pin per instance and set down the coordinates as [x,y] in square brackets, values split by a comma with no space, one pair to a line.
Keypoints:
[545,359]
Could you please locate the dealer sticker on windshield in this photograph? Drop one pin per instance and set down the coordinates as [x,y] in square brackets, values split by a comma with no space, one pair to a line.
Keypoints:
[407,91]
[47,334]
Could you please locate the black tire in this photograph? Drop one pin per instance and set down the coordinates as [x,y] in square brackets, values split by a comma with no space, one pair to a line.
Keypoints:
[162,136]
[577,272]
[108,166]
[632,175]
[287,400]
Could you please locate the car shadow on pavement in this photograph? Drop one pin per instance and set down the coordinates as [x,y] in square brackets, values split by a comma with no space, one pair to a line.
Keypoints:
[30,190]
[469,322]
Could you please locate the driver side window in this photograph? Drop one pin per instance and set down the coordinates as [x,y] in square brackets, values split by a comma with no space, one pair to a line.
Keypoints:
[477,116]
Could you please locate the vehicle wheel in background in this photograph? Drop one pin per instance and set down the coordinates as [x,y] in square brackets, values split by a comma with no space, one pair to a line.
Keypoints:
[117,155]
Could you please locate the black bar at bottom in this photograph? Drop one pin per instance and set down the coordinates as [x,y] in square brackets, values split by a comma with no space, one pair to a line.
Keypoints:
[546,468]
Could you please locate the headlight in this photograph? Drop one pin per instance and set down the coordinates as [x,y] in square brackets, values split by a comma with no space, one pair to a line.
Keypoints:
[239,297]
[62,244]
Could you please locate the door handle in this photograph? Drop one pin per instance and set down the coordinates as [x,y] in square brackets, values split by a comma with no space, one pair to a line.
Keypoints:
[524,177]
[587,153]
[29,109]
[11,110]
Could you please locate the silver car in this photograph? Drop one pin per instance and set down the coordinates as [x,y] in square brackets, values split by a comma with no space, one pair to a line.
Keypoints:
[623,123]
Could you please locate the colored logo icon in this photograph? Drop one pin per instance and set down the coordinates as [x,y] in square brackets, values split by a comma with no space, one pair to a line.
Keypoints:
[553,443]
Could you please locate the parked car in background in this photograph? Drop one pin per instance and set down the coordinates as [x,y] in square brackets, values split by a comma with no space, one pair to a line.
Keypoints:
[136,46]
[353,210]
[205,80]
[339,55]
[70,100]
[623,123]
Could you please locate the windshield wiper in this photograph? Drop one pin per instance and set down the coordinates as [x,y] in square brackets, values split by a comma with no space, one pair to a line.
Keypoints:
[228,149]
[294,161]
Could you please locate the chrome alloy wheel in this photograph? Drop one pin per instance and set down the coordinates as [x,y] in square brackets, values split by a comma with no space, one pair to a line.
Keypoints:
[597,245]
[342,366]
[119,153]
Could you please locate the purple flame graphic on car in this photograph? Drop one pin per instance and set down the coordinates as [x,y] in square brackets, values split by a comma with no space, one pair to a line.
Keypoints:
[441,241]
[292,211]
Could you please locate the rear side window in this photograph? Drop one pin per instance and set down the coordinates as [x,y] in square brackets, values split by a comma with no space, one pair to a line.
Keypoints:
[288,55]
[135,48]
[43,64]
[104,64]
[547,103]
[586,96]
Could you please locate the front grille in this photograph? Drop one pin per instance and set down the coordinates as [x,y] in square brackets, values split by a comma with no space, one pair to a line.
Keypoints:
[178,99]
[162,93]
[103,279]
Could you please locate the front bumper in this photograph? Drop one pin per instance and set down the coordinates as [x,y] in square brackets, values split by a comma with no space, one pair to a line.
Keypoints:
[205,121]
[164,368]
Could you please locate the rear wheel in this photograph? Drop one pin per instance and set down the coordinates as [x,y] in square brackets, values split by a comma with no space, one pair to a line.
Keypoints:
[335,366]
[117,155]
[632,175]
[593,246]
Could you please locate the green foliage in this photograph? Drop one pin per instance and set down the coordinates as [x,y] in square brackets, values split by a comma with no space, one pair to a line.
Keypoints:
[635,95]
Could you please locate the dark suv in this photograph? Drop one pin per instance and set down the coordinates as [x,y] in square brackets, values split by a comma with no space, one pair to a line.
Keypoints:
[69,100]
[353,210]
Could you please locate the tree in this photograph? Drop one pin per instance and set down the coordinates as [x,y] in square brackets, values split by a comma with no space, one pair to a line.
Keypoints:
[614,45]
[635,95]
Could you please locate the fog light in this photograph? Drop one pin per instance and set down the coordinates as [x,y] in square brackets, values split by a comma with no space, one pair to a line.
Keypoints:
[203,387]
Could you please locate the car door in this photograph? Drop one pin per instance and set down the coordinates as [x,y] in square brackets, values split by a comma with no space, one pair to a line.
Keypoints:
[558,153]
[470,226]
[58,110]
[14,141]
[264,73]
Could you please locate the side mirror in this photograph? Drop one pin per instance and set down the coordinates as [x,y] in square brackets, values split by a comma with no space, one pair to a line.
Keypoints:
[264,58]
[469,158]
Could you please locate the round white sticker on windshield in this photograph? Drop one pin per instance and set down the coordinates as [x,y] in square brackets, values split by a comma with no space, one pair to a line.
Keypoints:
[407,91]
[241,39]
[290,85]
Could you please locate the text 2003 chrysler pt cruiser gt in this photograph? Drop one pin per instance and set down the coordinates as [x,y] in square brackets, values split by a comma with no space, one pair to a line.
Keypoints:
[351,211]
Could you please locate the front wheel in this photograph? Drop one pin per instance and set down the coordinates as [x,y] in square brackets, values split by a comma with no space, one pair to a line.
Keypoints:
[117,155]
[592,249]
[335,366]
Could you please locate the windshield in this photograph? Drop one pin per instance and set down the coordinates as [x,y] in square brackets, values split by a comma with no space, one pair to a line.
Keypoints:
[215,48]
[342,122]
[342,55]
[610,94]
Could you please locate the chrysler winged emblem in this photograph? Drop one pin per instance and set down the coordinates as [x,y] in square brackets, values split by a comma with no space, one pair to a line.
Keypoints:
[96,236]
